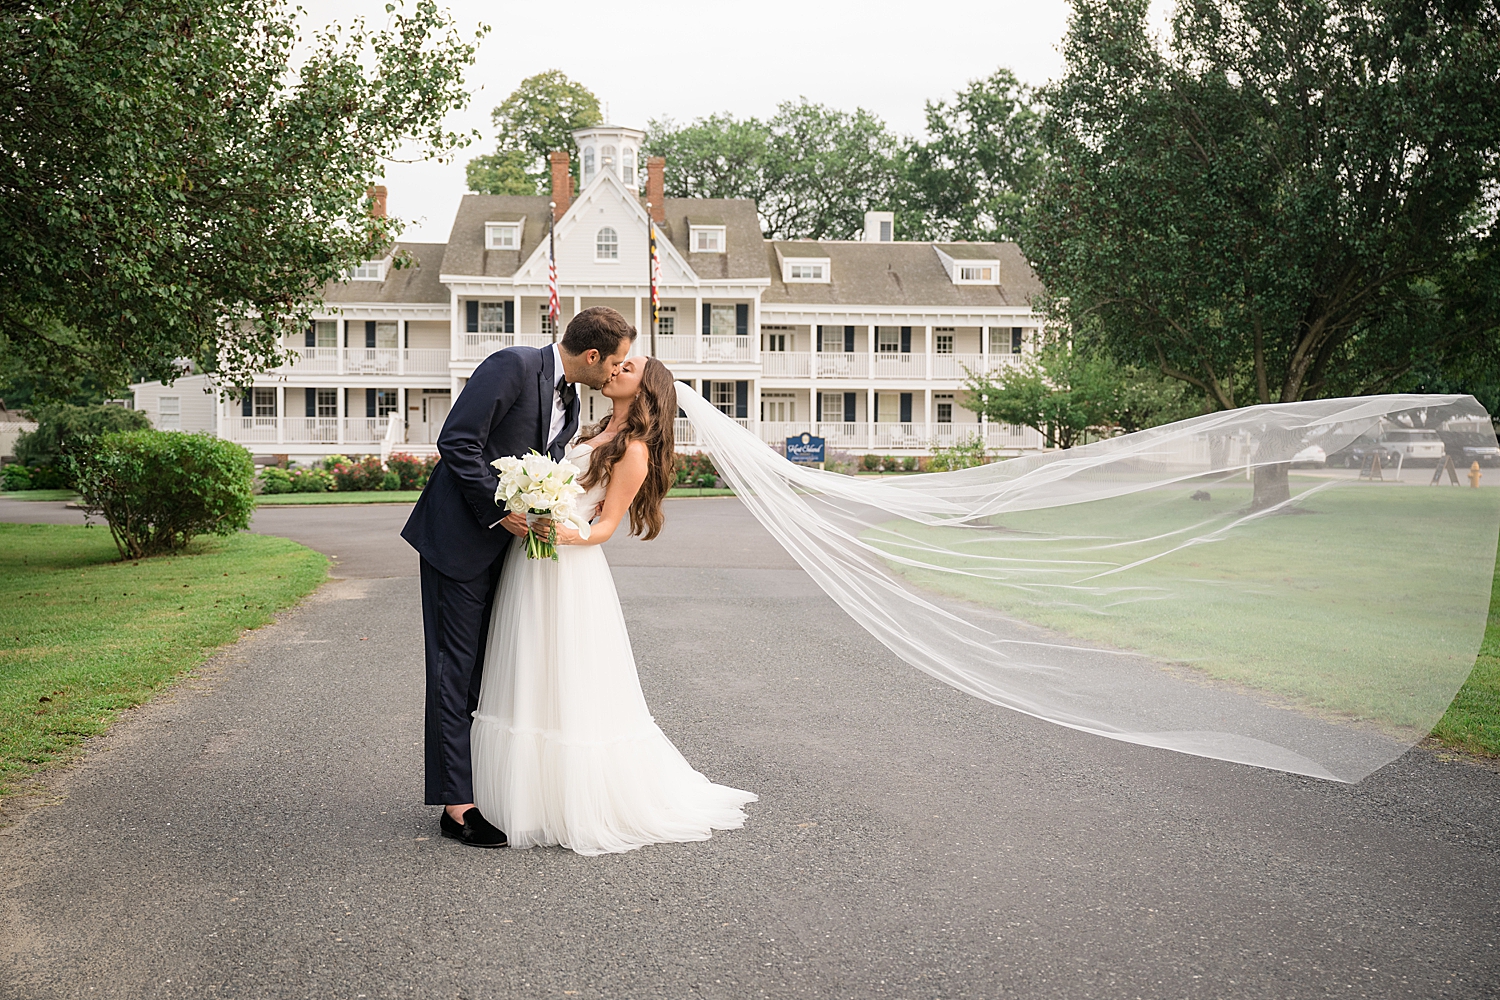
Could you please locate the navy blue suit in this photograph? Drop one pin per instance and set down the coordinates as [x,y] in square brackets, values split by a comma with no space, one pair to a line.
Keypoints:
[505,409]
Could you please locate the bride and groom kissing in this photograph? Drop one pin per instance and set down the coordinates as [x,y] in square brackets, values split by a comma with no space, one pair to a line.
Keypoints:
[537,732]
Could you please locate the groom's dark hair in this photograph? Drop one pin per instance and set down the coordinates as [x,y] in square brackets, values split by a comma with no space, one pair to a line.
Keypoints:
[598,328]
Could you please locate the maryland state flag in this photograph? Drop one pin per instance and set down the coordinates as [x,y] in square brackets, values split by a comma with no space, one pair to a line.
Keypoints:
[655,286]
[554,308]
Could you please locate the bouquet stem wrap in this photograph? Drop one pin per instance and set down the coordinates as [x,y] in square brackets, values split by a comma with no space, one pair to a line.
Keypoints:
[540,487]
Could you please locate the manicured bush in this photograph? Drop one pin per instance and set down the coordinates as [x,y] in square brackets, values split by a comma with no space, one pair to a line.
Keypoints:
[696,470]
[890,463]
[159,489]
[909,464]
[63,431]
[15,477]
[48,477]
[311,481]
[274,480]
[870,463]
[413,472]
[391,481]
[355,477]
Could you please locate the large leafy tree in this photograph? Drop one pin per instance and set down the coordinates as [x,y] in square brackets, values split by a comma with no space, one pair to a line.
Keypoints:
[537,118]
[176,186]
[1295,198]
[813,170]
[975,173]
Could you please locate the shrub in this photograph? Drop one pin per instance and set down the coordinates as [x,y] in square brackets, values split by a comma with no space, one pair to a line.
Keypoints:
[841,462]
[356,477]
[159,489]
[274,480]
[964,454]
[311,481]
[15,477]
[697,470]
[413,472]
[870,463]
[890,463]
[48,477]
[334,461]
[63,431]
[909,464]
[390,481]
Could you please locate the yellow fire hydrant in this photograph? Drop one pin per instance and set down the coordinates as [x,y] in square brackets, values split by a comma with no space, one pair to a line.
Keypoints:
[1475,475]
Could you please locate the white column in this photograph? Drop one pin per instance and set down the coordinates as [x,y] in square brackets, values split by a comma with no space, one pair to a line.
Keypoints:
[644,338]
[870,414]
[698,325]
[930,345]
[984,350]
[455,324]
[342,397]
[401,405]
[927,409]
[870,351]
[516,308]
[402,338]
[342,342]
[281,414]
[755,328]
[577,308]
[754,413]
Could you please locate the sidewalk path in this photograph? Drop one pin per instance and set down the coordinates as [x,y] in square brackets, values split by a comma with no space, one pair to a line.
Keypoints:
[258,832]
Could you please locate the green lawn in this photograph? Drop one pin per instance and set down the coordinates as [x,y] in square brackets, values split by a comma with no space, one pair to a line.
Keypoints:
[694,491]
[40,495]
[83,635]
[363,496]
[1310,608]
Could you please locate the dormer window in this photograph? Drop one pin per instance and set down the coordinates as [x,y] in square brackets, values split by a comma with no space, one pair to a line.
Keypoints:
[607,245]
[805,269]
[706,239]
[588,165]
[627,166]
[979,274]
[502,235]
[370,270]
[964,267]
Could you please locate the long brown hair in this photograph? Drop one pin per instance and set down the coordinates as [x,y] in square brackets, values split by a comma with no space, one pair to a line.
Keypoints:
[648,418]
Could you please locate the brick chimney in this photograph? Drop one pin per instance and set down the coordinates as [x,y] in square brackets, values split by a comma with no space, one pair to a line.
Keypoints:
[562,182]
[656,184]
[376,194]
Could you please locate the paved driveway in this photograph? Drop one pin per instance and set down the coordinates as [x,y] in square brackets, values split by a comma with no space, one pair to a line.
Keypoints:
[258,832]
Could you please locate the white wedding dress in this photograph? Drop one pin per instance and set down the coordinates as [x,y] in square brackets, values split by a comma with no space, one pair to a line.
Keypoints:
[564,748]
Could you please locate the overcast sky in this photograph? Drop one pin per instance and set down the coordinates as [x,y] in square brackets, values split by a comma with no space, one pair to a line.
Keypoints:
[664,58]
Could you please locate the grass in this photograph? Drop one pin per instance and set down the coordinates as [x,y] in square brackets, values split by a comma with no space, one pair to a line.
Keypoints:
[1472,722]
[695,491]
[53,495]
[363,496]
[84,635]
[1314,609]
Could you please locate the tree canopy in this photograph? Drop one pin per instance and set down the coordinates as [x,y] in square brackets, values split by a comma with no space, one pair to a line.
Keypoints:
[537,118]
[1291,200]
[178,185]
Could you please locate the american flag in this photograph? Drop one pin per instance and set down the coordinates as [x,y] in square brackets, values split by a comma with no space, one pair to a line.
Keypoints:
[554,308]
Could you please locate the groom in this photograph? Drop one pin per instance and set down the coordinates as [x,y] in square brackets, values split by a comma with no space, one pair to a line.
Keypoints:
[517,400]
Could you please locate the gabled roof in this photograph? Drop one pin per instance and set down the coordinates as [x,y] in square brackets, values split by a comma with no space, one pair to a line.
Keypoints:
[899,274]
[744,254]
[466,253]
[408,284]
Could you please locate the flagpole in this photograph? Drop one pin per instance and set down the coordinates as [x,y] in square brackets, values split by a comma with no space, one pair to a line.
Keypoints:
[651,269]
[554,307]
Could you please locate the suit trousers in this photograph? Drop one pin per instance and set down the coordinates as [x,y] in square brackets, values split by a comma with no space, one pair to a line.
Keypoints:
[455,625]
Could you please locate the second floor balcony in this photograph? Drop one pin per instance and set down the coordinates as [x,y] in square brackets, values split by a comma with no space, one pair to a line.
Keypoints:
[366,361]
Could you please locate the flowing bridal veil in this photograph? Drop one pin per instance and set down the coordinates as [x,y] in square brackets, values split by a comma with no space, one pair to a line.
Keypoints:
[1178,587]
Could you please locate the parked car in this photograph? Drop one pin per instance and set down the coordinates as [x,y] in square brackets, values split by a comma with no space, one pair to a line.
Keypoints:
[1417,447]
[1484,454]
[1311,457]
[1355,454]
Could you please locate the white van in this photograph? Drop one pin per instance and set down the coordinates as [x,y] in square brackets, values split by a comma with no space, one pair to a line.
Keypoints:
[1417,446]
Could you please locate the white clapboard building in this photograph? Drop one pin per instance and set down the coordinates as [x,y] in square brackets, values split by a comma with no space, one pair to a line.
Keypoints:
[865,343]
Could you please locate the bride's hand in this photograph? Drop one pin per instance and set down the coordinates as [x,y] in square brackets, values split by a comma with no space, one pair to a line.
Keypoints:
[565,534]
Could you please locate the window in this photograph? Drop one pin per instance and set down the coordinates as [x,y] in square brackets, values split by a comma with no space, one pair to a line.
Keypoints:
[971,272]
[778,406]
[607,245]
[833,407]
[588,165]
[944,406]
[607,159]
[386,402]
[326,333]
[888,339]
[721,320]
[721,394]
[370,270]
[327,403]
[627,167]
[502,236]
[976,273]
[666,321]
[169,413]
[263,402]
[885,230]
[492,317]
[807,272]
[945,343]
[548,327]
[1015,340]
[387,336]
[774,341]
[707,239]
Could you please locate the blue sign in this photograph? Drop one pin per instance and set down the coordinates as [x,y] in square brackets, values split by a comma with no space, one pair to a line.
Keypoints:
[804,448]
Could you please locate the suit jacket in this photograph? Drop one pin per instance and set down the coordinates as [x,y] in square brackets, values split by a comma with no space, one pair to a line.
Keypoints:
[505,409]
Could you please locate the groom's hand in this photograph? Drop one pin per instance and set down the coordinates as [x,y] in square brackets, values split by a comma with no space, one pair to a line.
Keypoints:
[515,523]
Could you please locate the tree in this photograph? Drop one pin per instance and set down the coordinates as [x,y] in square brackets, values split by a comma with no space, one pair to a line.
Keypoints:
[1067,393]
[1295,199]
[538,118]
[976,172]
[812,170]
[175,188]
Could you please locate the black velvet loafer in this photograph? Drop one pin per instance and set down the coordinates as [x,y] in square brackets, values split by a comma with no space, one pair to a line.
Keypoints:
[475,830]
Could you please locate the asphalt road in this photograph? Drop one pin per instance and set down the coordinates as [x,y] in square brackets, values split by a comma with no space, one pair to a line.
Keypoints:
[259,832]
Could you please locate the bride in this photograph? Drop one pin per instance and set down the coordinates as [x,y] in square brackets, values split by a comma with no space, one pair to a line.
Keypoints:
[565,750]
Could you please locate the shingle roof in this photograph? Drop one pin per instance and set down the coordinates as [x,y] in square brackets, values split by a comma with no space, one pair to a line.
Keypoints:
[408,284]
[466,253]
[899,274]
[743,256]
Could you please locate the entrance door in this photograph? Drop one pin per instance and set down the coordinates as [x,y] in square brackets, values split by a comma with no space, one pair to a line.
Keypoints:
[437,412]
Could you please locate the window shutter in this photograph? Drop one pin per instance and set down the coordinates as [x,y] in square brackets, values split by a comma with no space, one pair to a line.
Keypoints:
[905,338]
[369,333]
[849,404]
[707,313]
[471,316]
[818,413]
[312,334]
[906,407]
[742,399]
[820,338]
[247,403]
[708,390]
[742,320]
[510,315]
[848,340]
[312,402]
[369,402]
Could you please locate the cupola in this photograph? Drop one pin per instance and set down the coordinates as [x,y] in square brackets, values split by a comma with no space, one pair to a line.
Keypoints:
[613,148]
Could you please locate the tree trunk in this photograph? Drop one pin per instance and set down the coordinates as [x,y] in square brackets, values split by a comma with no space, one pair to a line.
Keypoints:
[1271,486]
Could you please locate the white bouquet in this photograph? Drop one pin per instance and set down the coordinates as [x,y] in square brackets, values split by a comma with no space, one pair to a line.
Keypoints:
[539,487]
